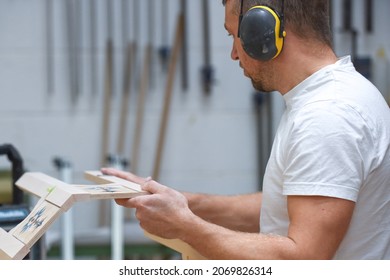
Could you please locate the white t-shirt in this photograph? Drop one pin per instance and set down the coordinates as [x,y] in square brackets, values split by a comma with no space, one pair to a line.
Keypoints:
[334,140]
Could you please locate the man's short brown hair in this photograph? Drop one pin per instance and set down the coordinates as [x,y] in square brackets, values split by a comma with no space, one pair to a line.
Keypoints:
[309,19]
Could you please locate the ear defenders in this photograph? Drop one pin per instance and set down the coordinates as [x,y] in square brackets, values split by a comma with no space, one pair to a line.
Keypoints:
[261,31]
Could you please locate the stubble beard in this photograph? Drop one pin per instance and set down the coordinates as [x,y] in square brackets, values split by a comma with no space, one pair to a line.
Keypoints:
[262,77]
[262,84]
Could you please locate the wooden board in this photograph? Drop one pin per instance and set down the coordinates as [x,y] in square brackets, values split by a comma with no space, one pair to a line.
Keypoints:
[31,229]
[109,191]
[56,197]
[11,248]
[187,252]
[99,178]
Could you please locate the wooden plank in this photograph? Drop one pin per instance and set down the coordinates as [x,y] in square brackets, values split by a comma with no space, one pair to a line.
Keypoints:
[109,191]
[55,191]
[187,252]
[64,195]
[10,247]
[31,229]
[36,184]
[57,197]
[99,178]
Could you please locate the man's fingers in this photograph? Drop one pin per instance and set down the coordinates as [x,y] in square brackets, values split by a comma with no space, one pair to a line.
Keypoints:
[126,202]
[152,186]
[123,174]
[121,201]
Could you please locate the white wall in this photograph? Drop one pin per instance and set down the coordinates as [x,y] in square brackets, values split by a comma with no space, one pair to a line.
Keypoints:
[375,45]
[210,142]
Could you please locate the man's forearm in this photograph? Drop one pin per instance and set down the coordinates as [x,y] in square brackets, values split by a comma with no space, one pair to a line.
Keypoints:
[216,242]
[239,212]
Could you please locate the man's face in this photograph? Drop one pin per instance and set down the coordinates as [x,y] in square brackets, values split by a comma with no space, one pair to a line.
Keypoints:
[260,73]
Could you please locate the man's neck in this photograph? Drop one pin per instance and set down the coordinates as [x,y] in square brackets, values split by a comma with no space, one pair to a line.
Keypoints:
[300,59]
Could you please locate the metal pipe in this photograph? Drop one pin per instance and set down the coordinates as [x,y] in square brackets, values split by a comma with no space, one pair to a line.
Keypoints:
[67,231]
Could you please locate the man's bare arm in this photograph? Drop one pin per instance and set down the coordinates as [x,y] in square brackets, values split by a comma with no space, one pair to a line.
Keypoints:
[318,225]
[240,212]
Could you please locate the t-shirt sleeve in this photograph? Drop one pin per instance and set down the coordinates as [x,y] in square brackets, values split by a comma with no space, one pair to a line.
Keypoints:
[330,148]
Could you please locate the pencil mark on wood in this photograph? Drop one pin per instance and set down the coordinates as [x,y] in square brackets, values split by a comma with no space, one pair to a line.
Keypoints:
[35,221]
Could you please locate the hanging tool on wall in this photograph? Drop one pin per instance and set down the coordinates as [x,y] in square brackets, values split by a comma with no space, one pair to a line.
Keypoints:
[258,101]
[125,24]
[361,63]
[331,16]
[364,64]
[369,10]
[79,44]
[72,66]
[264,122]
[129,49]
[151,38]
[93,46]
[126,70]
[142,95]
[184,51]
[50,74]
[347,25]
[347,15]
[108,87]
[136,38]
[73,11]
[207,71]
[168,95]
[164,49]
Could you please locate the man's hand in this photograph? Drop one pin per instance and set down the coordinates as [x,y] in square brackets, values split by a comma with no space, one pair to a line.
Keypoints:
[124,175]
[160,213]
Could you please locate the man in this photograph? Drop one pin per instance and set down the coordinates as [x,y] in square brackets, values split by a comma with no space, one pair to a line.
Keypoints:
[326,192]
